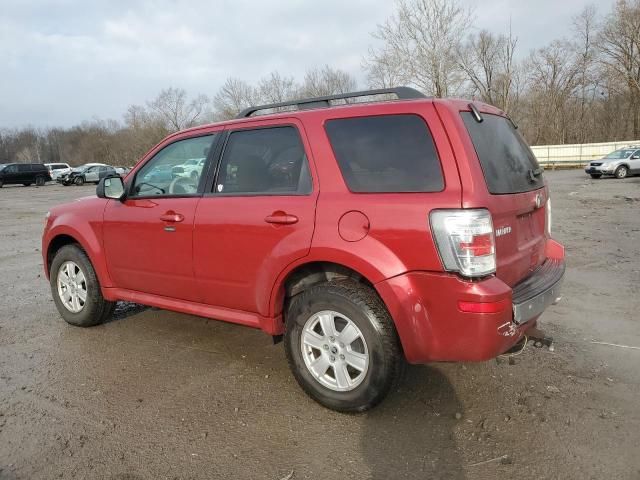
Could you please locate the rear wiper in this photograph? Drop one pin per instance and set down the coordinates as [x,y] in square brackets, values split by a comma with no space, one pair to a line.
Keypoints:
[535,173]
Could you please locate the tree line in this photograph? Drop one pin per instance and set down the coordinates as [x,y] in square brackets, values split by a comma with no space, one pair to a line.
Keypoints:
[584,87]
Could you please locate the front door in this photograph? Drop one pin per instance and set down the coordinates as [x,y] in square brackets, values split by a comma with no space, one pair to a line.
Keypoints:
[148,238]
[258,217]
[10,174]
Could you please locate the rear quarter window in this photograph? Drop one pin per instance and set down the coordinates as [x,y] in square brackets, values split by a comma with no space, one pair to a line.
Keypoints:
[387,153]
[505,157]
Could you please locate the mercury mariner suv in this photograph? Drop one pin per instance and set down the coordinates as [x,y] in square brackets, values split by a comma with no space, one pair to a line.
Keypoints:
[365,229]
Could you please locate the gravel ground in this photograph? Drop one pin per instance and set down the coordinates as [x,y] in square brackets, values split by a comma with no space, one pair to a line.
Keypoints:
[154,394]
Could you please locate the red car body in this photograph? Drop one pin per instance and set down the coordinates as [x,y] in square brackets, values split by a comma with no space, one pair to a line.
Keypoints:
[224,261]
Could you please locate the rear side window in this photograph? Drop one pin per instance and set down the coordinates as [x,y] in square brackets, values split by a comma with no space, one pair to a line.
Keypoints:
[507,161]
[265,161]
[389,153]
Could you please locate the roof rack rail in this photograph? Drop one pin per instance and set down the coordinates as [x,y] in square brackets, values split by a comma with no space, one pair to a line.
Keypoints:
[403,93]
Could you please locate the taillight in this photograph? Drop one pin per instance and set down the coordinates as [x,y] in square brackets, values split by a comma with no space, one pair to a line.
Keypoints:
[548,217]
[465,241]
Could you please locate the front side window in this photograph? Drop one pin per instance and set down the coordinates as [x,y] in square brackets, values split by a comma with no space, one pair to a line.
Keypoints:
[387,153]
[174,170]
[268,161]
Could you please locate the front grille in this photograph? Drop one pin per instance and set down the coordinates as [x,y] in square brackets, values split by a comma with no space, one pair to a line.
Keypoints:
[595,164]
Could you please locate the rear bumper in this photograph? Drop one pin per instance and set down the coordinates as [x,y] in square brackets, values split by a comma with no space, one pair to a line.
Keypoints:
[425,307]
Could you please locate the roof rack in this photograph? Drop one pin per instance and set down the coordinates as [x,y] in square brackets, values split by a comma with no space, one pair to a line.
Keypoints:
[403,93]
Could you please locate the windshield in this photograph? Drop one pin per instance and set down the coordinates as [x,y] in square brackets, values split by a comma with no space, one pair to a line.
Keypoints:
[2,165]
[620,154]
[508,164]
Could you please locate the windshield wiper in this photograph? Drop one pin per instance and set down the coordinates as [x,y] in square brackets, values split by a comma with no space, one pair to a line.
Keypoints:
[534,173]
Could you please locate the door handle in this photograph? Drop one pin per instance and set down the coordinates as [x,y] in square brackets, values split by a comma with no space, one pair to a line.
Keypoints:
[281,218]
[172,217]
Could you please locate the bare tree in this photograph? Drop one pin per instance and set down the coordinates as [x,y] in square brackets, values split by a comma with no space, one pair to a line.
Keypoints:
[275,88]
[384,69]
[584,29]
[327,81]
[232,97]
[175,109]
[553,77]
[620,47]
[425,36]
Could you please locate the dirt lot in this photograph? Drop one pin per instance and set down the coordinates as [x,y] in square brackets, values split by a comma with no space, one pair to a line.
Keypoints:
[154,394]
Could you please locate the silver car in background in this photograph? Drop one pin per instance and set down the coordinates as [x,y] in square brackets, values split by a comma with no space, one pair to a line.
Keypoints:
[620,163]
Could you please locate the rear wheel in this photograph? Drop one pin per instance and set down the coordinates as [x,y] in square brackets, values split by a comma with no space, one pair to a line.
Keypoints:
[26,184]
[342,346]
[1,183]
[40,181]
[621,171]
[79,181]
[596,175]
[76,290]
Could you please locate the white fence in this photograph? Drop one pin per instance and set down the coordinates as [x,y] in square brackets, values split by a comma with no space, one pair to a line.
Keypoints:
[576,154]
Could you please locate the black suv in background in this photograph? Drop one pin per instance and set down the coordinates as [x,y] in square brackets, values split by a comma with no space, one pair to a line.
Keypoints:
[24,173]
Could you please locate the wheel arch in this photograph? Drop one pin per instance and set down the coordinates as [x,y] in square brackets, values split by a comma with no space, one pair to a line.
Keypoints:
[302,275]
[89,243]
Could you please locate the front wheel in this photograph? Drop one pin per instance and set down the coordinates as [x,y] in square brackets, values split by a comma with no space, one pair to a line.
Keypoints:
[76,290]
[342,346]
[79,181]
[596,175]
[621,171]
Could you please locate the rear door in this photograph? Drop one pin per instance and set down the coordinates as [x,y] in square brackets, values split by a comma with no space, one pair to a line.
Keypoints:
[514,191]
[257,217]
[25,174]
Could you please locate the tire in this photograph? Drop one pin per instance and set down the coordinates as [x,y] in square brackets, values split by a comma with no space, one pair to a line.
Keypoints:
[596,175]
[360,305]
[40,181]
[26,184]
[621,172]
[78,181]
[95,309]
[1,183]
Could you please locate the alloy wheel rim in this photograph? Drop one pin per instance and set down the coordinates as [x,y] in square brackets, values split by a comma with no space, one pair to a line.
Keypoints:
[622,172]
[334,351]
[72,287]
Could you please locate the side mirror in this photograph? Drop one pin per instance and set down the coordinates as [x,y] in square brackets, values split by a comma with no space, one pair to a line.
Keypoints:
[635,157]
[111,187]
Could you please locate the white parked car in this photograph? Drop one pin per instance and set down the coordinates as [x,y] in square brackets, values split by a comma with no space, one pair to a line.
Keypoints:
[57,169]
[191,168]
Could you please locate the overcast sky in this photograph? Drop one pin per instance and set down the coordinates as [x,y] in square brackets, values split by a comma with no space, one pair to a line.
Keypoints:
[63,61]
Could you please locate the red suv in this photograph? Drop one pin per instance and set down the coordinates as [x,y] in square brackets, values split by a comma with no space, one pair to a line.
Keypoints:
[365,232]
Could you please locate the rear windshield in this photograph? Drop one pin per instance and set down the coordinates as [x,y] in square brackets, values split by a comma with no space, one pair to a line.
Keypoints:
[507,161]
[388,153]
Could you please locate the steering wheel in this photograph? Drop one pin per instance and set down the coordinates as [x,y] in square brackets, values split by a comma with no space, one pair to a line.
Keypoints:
[182,185]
